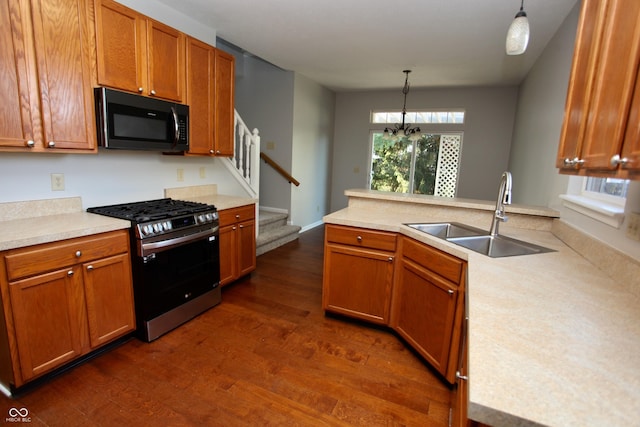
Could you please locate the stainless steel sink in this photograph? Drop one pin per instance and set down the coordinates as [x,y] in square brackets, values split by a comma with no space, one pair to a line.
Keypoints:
[498,246]
[445,230]
[479,240]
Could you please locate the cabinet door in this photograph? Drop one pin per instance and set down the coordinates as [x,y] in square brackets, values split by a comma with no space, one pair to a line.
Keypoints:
[200,96]
[48,314]
[424,307]
[165,52]
[631,145]
[109,296]
[228,251]
[18,87]
[62,33]
[224,103]
[121,47]
[613,85]
[246,234]
[357,282]
[588,39]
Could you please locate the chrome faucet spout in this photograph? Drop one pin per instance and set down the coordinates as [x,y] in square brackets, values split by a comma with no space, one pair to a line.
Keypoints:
[504,198]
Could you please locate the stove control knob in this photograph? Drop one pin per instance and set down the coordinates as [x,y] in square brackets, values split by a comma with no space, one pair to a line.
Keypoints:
[166,225]
[200,218]
[157,227]
[146,230]
[209,217]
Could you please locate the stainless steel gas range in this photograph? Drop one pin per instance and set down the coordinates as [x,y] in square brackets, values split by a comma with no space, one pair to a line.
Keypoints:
[174,258]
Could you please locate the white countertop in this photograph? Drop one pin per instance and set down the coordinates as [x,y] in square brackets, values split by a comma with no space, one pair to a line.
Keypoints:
[552,339]
[42,221]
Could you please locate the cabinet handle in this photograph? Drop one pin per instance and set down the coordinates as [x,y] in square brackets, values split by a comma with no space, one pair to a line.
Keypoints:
[31,143]
[617,160]
[153,92]
[450,291]
[89,267]
[70,273]
[78,254]
[390,259]
[211,152]
[241,226]
[237,216]
[140,90]
[359,238]
[461,377]
[51,144]
[573,162]
[233,228]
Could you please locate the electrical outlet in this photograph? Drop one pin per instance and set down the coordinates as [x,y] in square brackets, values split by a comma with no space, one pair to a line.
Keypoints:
[180,174]
[203,173]
[633,226]
[57,181]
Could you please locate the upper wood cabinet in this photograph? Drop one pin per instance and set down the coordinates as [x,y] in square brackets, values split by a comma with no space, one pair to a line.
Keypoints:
[210,85]
[201,60]
[601,129]
[137,54]
[47,80]
[224,104]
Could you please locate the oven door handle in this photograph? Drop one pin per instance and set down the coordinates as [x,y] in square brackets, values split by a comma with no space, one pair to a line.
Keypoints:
[163,245]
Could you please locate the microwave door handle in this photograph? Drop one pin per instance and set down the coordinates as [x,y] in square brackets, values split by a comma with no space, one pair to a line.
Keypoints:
[176,135]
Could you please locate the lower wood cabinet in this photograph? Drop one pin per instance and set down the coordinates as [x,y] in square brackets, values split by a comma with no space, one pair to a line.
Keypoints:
[428,304]
[397,281]
[237,242]
[358,272]
[62,300]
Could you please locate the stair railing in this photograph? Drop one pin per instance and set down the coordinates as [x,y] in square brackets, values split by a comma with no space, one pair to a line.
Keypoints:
[279,169]
[245,162]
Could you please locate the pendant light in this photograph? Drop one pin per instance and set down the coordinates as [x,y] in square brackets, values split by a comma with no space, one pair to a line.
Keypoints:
[404,129]
[518,34]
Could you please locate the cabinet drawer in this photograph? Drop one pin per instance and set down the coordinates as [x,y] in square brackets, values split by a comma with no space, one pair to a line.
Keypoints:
[230,216]
[444,264]
[361,237]
[32,260]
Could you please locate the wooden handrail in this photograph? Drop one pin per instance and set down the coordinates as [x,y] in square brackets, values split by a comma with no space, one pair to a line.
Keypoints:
[279,169]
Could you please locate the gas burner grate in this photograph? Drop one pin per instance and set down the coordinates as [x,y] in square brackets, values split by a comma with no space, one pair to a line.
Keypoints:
[152,210]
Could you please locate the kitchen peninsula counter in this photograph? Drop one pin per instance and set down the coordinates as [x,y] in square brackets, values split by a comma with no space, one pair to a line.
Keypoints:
[553,340]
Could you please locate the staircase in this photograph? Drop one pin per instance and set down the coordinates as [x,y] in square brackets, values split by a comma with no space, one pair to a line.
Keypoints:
[274,231]
[272,228]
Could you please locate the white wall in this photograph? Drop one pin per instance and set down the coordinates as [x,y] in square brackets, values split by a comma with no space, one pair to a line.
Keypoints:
[312,137]
[107,178]
[490,114]
[536,135]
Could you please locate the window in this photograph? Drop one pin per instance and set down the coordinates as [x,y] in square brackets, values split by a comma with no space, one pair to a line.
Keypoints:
[426,166]
[611,190]
[602,199]
[417,117]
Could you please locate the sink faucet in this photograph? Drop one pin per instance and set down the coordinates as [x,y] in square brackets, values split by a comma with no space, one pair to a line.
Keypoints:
[504,198]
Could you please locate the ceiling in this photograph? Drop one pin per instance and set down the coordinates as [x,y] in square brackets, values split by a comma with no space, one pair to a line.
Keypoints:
[365,44]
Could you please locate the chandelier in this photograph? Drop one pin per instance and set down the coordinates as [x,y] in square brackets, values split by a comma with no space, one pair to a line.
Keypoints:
[404,129]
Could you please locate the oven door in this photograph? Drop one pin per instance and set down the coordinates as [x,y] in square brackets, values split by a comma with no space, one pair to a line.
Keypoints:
[176,274]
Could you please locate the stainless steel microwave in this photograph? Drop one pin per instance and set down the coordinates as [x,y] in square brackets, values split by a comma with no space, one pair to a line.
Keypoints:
[133,122]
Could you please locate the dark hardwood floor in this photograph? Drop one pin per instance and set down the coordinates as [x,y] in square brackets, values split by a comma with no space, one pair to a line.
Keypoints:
[266,356]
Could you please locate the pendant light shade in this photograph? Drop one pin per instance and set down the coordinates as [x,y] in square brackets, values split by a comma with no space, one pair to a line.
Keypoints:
[518,34]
